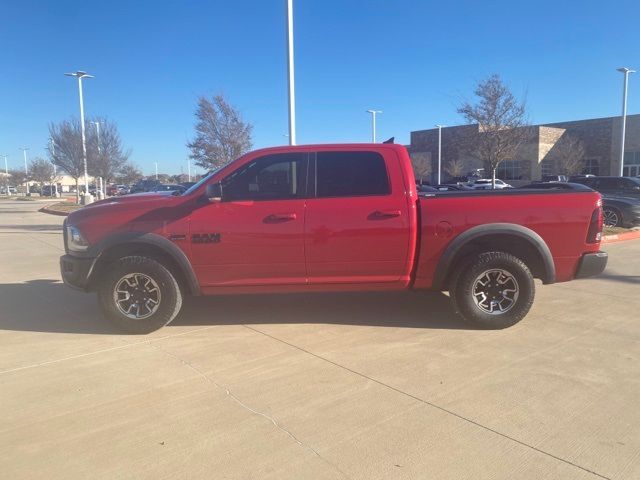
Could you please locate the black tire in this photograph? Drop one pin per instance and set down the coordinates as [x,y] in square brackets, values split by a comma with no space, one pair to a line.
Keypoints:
[501,273]
[612,217]
[143,279]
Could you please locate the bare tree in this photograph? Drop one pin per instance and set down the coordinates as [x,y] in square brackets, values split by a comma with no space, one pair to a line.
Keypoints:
[129,174]
[421,163]
[67,150]
[501,120]
[18,177]
[41,171]
[4,183]
[105,153]
[569,155]
[221,134]
[454,167]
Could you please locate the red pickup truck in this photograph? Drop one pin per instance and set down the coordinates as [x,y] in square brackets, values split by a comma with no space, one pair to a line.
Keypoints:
[329,218]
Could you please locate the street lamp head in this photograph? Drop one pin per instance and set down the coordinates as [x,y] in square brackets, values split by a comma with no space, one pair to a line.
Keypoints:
[374,111]
[79,74]
[625,70]
[440,126]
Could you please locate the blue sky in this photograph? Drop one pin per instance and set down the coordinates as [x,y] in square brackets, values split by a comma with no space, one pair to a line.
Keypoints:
[415,60]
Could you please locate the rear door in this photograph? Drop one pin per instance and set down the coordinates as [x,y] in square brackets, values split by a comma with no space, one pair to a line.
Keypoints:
[357,224]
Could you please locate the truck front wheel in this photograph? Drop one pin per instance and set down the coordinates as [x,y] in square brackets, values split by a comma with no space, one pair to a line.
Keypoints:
[493,290]
[139,295]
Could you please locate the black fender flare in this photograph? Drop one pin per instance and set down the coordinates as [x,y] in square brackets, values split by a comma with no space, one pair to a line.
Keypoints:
[455,246]
[141,238]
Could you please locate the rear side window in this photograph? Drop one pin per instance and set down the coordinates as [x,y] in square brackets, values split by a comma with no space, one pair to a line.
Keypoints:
[609,183]
[351,174]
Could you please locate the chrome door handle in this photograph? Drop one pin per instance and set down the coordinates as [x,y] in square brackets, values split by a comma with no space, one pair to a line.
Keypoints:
[280,217]
[382,214]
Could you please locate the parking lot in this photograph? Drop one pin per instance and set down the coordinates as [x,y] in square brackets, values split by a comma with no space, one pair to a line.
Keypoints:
[314,386]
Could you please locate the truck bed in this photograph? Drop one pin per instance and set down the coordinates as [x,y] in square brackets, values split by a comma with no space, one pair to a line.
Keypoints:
[560,217]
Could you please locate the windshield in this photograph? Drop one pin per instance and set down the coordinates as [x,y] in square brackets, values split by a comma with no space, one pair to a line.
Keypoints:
[197,185]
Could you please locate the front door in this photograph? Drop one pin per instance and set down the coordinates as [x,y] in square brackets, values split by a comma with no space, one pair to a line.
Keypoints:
[255,235]
[357,227]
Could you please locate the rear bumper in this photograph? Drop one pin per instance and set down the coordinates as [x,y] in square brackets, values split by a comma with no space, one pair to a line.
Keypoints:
[592,264]
[75,271]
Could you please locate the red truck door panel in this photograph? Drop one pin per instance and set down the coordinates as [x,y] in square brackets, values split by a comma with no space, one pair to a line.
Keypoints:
[357,226]
[255,235]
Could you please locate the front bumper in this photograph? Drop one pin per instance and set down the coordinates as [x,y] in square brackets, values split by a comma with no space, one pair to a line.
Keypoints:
[76,271]
[592,264]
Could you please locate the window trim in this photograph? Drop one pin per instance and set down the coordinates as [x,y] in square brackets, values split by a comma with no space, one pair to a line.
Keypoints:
[315,175]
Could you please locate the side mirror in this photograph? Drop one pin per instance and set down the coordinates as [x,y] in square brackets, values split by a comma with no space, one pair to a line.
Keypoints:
[214,192]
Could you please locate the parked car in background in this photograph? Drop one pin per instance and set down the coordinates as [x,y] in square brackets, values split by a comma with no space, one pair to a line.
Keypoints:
[452,187]
[486,184]
[50,191]
[112,190]
[621,211]
[619,186]
[144,186]
[163,187]
[555,178]
[12,190]
[575,178]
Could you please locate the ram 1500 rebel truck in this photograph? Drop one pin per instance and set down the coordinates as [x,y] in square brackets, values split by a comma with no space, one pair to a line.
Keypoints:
[329,218]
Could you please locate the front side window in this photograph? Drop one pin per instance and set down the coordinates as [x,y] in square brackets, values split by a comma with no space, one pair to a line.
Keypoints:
[272,177]
[351,174]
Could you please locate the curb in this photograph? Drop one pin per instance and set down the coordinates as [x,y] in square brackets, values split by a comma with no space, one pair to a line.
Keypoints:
[53,212]
[621,237]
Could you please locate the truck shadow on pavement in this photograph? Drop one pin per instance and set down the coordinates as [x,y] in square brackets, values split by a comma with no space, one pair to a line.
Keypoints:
[50,306]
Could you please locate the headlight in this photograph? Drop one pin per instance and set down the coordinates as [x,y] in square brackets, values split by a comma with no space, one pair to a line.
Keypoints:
[75,241]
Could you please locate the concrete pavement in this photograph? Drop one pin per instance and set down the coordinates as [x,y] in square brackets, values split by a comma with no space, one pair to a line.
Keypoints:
[314,386]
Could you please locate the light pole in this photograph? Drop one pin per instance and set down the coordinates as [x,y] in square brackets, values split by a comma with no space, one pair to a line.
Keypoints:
[6,172]
[97,124]
[290,75]
[439,153]
[189,168]
[52,150]
[373,123]
[625,71]
[26,172]
[80,75]
[156,170]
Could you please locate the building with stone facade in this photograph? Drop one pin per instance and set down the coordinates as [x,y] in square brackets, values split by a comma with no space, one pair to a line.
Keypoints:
[599,136]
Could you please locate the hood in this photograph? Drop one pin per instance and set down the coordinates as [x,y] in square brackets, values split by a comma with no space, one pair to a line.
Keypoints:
[133,202]
[133,197]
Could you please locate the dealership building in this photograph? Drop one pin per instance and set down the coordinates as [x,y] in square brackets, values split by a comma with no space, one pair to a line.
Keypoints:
[599,136]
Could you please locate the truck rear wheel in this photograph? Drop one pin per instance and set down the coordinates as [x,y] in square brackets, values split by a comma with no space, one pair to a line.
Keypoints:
[493,290]
[139,295]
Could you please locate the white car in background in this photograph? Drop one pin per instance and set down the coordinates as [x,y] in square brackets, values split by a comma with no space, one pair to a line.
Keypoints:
[485,184]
